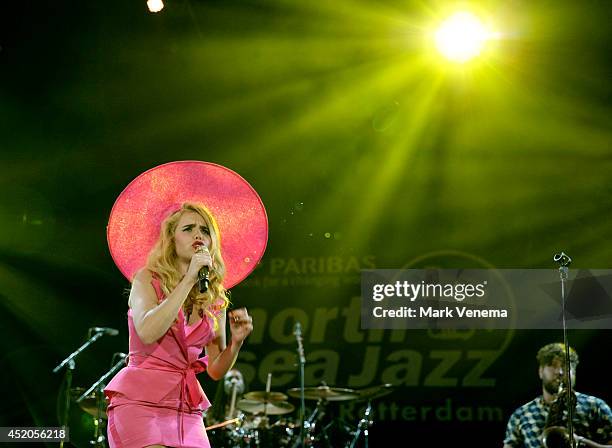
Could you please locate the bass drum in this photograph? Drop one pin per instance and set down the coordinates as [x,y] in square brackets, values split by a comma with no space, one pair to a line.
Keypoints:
[259,432]
[285,432]
[254,431]
[221,437]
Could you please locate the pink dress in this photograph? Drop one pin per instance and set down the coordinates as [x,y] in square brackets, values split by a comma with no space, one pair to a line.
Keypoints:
[157,399]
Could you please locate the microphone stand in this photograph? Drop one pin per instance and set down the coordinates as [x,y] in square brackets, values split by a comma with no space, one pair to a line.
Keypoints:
[564,262]
[69,371]
[98,386]
[302,361]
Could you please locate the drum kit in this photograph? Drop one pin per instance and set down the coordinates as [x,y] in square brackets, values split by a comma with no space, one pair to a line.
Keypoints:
[265,419]
[259,419]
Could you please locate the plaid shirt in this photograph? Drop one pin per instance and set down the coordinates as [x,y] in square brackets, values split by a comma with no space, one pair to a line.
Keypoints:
[592,419]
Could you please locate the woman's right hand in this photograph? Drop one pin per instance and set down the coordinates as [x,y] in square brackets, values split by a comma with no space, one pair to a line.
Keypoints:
[200,259]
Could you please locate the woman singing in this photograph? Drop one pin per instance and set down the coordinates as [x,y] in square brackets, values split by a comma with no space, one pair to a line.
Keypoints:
[156,400]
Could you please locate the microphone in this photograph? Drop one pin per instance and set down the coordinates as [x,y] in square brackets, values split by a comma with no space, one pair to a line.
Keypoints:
[119,355]
[105,330]
[203,279]
[563,259]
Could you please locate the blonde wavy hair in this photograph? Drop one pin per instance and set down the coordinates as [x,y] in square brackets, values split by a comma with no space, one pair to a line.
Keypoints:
[163,259]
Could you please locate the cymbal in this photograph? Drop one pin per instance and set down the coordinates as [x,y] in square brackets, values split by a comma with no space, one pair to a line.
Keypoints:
[324,393]
[374,392]
[270,408]
[264,396]
[89,404]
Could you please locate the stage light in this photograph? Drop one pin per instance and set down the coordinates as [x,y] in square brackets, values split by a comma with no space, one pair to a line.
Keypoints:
[461,37]
[155,5]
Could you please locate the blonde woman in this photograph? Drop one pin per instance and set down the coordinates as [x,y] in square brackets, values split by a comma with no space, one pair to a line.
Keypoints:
[156,400]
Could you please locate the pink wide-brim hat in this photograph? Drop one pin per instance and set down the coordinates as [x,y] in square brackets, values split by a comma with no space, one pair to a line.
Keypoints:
[135,220]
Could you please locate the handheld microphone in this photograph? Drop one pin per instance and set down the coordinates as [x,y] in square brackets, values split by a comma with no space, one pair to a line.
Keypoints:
[105,330]
[203,279]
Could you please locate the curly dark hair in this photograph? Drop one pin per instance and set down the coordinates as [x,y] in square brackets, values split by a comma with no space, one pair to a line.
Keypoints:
[551,352]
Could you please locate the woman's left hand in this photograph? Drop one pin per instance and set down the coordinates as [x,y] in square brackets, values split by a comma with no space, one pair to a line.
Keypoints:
[241,325]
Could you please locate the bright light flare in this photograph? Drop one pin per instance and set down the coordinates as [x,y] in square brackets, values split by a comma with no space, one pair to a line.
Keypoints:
[461,37]
[155,5]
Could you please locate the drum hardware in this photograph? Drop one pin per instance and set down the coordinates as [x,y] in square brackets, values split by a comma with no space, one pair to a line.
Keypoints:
[317,418]
[254,431]
[81,421]
[99,439]
[313,429]
[367,420]
[362,427]
[69,361]
[284,430]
